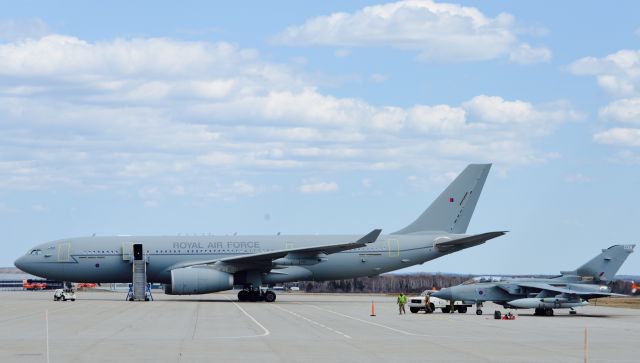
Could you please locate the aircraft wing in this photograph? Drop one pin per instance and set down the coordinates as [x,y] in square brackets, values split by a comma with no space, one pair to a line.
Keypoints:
[469,241]
[561,290]
[264,259]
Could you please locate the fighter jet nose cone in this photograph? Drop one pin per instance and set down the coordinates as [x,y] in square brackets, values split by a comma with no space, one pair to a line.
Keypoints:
[442,294]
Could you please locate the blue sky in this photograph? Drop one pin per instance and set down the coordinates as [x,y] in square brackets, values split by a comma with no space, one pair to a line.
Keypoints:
[328,117]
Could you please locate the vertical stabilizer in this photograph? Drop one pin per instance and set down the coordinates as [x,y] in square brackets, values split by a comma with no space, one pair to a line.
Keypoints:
[452,210]
[605,265]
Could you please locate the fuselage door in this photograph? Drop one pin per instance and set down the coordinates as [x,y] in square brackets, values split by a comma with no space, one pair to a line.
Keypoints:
[393,247]
[63,252]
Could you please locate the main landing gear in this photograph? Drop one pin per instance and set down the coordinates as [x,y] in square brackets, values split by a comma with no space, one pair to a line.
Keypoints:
[249,294]
[544,311]
[479,308]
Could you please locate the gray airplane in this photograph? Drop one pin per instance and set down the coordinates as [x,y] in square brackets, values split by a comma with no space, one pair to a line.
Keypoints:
[568,290]
[206,264]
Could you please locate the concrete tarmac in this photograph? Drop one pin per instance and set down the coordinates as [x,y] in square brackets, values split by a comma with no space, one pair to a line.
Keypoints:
[102,327]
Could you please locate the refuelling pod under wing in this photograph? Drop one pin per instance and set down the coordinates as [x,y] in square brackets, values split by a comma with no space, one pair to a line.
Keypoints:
[195,280]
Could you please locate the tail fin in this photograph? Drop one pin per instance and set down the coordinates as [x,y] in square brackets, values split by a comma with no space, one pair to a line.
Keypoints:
[452,210]
[605,265]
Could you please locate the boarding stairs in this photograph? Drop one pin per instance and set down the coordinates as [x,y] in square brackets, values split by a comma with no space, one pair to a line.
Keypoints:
[139,289]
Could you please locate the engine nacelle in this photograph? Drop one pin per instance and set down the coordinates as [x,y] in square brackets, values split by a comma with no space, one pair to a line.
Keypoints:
[192,281]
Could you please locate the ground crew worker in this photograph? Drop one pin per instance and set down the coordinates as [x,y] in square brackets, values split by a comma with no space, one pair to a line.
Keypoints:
[402,300]
[427,304]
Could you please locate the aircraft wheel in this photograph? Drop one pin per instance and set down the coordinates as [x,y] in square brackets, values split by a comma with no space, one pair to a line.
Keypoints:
[243,295]
[548,312]
[538,311]
[572,312]
[73,299]
[269,296]
[254,296]
[462,310]
[479,312]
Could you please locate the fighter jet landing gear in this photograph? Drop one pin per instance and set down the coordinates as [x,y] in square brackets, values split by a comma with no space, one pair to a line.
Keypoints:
[572,312]
[543,311]
[250,294]
[479,309]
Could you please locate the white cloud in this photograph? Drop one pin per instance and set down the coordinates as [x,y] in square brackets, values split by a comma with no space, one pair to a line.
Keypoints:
[196,114]
[539,119]
[439,118]
[625,110]
[318,187]
[525,54]
[438,31]
[617,73]
[619,136]
[64,56]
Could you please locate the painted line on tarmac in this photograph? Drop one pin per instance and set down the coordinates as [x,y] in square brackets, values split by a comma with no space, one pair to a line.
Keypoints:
[313,322]
[264,334]
[476,356]
[379,325]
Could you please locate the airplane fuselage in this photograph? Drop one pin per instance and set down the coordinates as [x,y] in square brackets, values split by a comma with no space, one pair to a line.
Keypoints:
[108,259]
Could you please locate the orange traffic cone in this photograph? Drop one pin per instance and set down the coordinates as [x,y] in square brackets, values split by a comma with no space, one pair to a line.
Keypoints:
[373,309]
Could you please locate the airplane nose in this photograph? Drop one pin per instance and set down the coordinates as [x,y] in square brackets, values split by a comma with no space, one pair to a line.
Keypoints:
[442,294]
[19,263]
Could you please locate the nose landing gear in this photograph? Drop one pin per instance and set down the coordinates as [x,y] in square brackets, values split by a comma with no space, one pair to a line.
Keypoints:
[251,294]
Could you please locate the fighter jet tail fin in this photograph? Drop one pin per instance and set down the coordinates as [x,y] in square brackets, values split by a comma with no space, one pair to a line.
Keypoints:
[452,210]
[605,265]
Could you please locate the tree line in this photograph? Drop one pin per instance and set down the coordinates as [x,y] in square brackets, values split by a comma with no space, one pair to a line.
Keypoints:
[408,283]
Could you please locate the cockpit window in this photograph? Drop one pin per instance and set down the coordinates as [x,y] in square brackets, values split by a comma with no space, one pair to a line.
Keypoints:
[36,252]
[478,279]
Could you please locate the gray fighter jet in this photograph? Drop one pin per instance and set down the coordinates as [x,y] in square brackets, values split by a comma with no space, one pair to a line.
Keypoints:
[568,290]
[206,264]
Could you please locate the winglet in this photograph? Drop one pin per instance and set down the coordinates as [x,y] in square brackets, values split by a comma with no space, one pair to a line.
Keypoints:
[370,237]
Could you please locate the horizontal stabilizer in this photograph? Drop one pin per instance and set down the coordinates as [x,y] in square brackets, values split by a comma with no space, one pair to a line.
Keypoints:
[470,241]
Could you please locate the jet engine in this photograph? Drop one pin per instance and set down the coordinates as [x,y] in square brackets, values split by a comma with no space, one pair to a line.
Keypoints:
[198,280]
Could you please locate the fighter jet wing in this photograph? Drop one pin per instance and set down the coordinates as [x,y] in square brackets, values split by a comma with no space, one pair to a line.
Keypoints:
[470,241]
[265,258]
[562,290]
